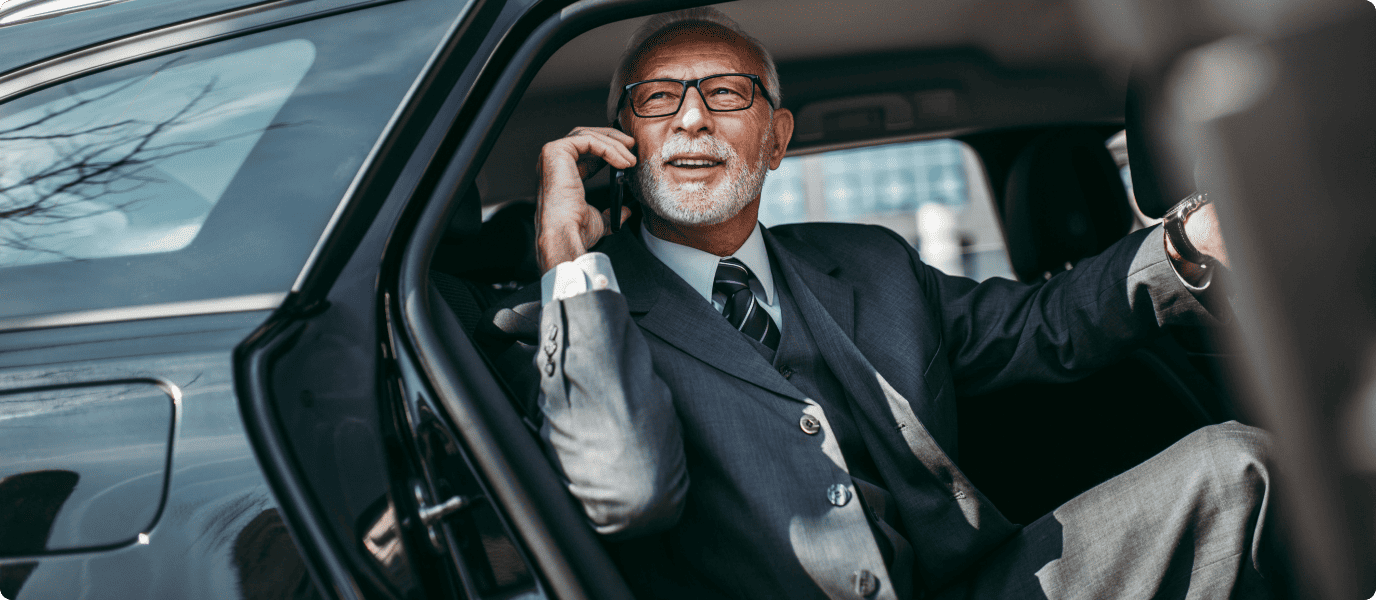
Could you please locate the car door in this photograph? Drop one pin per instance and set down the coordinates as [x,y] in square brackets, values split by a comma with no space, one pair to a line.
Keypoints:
[161,195]
[471,507]
[380,483]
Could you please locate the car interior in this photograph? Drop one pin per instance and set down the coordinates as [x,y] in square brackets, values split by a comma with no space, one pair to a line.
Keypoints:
[998,127]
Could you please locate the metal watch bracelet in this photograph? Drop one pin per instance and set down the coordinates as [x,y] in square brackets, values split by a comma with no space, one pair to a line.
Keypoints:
[1174,224]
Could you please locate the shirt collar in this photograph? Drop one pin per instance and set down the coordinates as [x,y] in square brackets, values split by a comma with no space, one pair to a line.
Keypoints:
[699,268]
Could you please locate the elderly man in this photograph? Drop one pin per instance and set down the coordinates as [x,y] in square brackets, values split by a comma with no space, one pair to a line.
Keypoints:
[748,412]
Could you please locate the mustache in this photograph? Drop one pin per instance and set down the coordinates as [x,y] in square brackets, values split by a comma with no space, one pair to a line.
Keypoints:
[709,145]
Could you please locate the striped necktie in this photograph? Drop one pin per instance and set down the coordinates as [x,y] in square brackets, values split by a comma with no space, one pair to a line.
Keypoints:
[739,305]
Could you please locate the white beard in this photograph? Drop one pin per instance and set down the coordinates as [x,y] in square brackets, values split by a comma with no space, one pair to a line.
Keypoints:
[695,203]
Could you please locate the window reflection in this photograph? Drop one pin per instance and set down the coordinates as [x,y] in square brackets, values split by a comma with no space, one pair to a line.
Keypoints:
[269,563]
[118,454]
[382,539]
[933,193]
[29,503]
[135,166]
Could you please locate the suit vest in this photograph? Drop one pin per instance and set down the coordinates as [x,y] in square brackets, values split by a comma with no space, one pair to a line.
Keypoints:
[800,362]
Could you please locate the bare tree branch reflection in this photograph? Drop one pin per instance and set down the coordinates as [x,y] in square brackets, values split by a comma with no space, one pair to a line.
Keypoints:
[72,163]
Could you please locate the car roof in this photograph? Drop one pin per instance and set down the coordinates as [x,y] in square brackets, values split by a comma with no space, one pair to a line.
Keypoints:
[1016,33]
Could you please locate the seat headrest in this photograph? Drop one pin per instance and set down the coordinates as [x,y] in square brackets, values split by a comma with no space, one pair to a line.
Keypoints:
[467,219]
[1065,201]
[1154,191]
[502,251]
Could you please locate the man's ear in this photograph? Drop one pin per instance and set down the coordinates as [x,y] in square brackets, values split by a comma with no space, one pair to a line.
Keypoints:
[783,132]
[616,124]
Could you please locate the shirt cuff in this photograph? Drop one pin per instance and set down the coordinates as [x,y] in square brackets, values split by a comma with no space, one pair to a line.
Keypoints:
[589,272]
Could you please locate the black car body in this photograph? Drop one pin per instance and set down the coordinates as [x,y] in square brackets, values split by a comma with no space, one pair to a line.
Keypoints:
[243,264]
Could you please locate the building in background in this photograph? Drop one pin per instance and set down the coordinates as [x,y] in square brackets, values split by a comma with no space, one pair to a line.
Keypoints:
[933,193]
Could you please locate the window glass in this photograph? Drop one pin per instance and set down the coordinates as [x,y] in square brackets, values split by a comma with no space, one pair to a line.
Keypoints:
[933,193]
[202,174]
[135,166]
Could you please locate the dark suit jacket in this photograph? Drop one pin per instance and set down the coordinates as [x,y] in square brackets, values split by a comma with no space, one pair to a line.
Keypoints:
[677,435]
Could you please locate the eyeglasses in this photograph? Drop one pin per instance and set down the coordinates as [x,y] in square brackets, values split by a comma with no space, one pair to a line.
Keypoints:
[720,93]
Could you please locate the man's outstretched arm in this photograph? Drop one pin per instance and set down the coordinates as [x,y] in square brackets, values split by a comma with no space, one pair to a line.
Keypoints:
[609,420]
[999,332]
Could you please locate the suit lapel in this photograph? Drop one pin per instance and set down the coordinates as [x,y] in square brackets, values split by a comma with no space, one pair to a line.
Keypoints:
[827,322]
[807,268]
[827,304]
[665,305]
[826,319]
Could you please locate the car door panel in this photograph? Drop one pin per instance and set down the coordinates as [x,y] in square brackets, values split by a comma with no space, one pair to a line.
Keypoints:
[141,463]
[112,356]
[67,493]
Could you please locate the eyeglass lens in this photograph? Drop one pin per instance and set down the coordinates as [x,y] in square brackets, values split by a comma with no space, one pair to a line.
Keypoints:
[720,93]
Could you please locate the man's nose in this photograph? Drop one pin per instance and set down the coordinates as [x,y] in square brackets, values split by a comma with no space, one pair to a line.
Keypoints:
[693,116]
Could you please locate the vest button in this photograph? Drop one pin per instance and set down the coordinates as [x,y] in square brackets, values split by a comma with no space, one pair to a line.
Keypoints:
[810,424]
[838,495]
[866,584]
[786,372]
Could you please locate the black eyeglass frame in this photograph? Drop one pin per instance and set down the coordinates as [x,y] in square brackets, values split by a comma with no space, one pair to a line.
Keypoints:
[757,81]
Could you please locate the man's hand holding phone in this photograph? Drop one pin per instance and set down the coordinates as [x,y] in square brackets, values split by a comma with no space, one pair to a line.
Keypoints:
[565,224]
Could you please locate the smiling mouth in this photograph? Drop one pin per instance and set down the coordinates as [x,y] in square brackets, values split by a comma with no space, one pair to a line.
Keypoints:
[693,163]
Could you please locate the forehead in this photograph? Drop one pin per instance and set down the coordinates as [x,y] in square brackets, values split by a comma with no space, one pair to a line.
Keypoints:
[693,50]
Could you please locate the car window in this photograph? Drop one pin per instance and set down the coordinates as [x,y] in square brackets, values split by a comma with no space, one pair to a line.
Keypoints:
[201,174]
[135,166]
[933,193]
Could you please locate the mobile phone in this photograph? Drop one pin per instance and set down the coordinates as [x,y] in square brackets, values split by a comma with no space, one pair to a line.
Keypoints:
[618,189]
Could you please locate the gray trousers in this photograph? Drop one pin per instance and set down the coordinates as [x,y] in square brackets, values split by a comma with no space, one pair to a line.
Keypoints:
[1185,524]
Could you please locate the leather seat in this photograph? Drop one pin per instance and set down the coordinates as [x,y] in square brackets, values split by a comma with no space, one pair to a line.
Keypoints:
[1064,202]
[480,268]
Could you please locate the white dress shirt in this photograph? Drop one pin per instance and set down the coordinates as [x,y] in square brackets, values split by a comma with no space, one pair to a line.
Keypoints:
[593,271]
[699,268]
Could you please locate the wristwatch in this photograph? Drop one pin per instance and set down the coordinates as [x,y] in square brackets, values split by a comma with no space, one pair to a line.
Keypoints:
[1174,224]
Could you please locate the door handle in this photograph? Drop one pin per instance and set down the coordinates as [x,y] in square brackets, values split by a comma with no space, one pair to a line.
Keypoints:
[432,514]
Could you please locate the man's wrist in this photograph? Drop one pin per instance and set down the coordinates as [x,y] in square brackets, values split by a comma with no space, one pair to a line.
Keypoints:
[1178,242]
[1194,267]
[560,246]
[589,272]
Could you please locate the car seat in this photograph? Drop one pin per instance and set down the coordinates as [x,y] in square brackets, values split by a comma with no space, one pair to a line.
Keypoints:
[483,271]
[1032,447]
[1064,202]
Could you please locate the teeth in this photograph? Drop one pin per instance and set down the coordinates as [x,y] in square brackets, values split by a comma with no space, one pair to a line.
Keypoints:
[692,162]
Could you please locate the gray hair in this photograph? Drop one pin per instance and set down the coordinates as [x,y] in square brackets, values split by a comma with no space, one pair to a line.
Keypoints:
[661,22]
